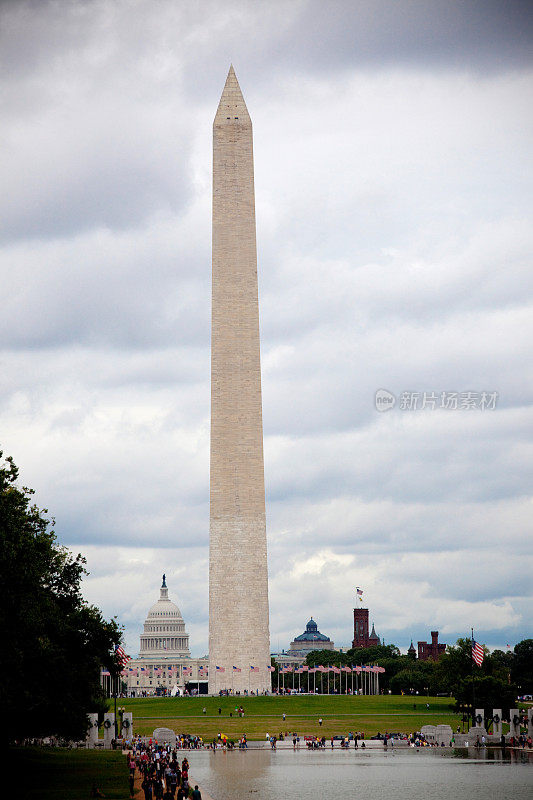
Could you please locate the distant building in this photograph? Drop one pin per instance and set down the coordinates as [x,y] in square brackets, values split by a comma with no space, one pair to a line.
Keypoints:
[311,639]
[412,652]
[361,636]
[431,650]
[164,663]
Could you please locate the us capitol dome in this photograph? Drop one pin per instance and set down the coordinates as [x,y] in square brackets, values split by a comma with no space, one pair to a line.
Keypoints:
[164,665]
[164,629]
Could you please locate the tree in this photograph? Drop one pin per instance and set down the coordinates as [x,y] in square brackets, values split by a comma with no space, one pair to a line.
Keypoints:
[488,692]
[416,676]
[373,654]
[522,666]
[54,642]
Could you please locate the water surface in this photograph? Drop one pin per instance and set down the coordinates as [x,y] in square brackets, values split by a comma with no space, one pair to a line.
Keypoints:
[402,774]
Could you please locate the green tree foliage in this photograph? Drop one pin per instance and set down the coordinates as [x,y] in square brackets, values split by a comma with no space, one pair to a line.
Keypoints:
[54,642]
[414,677]
[489,693]
[522,666]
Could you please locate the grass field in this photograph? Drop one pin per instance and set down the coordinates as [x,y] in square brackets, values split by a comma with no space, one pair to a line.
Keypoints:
[50,774]
[263,715]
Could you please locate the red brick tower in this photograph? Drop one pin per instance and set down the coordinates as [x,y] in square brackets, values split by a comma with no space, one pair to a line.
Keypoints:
[360,627]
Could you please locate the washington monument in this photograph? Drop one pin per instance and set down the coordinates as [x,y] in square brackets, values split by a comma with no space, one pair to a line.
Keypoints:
[239,647]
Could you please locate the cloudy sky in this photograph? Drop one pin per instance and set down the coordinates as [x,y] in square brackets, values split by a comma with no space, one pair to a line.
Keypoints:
[393,188]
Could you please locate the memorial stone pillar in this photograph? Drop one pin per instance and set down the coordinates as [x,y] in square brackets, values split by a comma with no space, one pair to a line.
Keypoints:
[127,725]
[514,720]
[530,722]
[109,730]
[480,717]
[497,722]
[92,731]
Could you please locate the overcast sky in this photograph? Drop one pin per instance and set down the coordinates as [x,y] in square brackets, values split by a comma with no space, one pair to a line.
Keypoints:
[393,196]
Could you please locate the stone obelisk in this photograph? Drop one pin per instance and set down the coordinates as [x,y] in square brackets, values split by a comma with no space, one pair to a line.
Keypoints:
[238,578]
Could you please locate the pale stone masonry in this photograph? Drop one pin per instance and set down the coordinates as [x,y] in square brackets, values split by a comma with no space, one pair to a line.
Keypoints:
[238,580]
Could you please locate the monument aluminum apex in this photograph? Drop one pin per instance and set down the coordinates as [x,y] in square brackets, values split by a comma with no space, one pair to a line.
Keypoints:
[238,578]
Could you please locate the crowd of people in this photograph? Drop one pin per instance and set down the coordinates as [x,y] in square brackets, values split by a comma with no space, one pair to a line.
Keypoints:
[163,777]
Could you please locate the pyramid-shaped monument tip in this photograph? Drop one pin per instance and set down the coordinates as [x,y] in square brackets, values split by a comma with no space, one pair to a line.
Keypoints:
[232,106]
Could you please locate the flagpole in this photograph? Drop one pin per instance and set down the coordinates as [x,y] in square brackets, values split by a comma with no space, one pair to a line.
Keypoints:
[472,672]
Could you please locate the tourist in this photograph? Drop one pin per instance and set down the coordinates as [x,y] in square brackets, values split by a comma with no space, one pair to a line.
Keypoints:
[196,794]
[320,721]
[146,786]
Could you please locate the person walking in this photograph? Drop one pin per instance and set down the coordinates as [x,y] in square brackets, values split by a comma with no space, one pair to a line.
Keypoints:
[146,786]
[196,793]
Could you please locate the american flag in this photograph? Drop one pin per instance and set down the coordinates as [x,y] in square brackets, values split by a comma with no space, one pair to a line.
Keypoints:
[220,669]
[304,668]
[270,668]
[477,653]
[345,669]
[236,669]
[254,669]
[187,670]
[336,670]
[359,591]
[122,658]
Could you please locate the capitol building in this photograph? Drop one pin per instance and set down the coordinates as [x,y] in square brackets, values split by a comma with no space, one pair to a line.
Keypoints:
[164,664]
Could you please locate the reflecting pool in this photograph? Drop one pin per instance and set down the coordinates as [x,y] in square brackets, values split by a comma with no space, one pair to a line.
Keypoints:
[402,774]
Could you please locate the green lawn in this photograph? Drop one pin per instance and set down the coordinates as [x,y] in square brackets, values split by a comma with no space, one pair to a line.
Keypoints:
[340,714]
[56,774]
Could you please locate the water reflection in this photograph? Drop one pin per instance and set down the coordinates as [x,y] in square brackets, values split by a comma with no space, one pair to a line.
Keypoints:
[372,774]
